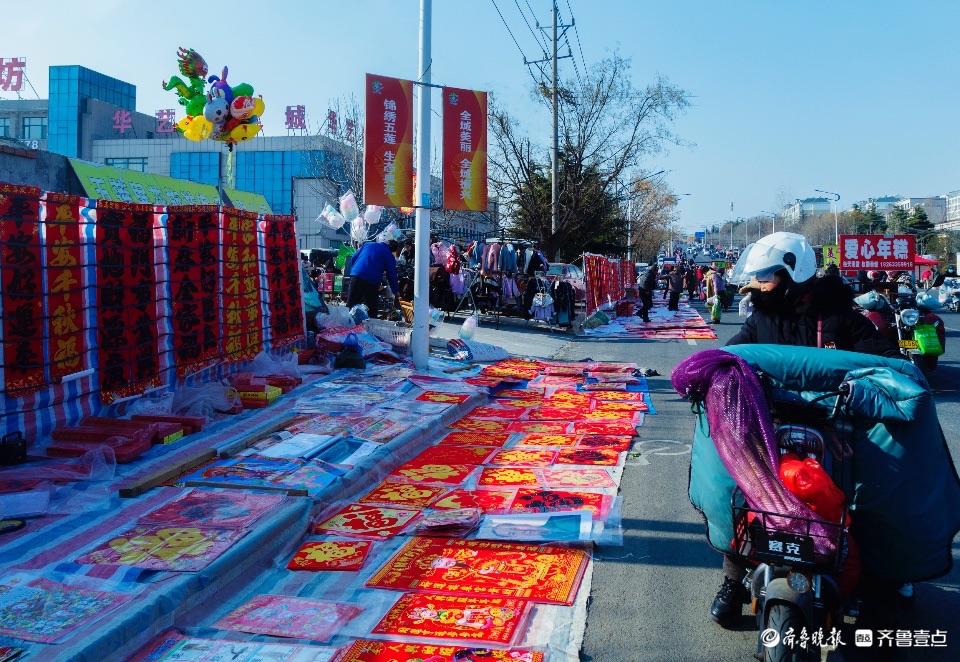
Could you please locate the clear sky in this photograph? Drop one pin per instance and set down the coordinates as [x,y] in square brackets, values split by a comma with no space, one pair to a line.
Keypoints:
[854,96]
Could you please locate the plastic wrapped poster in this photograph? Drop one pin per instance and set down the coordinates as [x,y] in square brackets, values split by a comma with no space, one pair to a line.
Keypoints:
[447,618]
[175,646]
[523,457]
[530,500]
[451,475]
[445,398]
[541,427]
[601,456]
[498,413]
[509,477]
[339,555]
[366,521]
[221,510]
[161,547]
[560,478]
[590,427]
[286,616]
[364,650]
[541,573]
[486,500]
[610,441]
[547,440]
[475,439]
[538,527]
[45,611]
[454,455]
[408,495]
[454,523]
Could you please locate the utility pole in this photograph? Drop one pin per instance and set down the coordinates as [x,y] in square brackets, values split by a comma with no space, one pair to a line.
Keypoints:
[554,151]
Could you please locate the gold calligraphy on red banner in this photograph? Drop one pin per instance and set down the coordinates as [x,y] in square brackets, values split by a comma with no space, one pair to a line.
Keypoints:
[242,314]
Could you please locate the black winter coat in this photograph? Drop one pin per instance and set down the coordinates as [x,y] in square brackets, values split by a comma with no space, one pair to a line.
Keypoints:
[828,303]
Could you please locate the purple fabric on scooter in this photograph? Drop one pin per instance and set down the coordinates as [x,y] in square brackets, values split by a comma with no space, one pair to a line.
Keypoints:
[742,431]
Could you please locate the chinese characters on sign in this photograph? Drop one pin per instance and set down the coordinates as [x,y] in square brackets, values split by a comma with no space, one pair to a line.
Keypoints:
[296,117]
[331,122]
[890,253]
[388,142]
[464,149]
[166,119]
[11,74]
[831,254]
[350,128]
[122,121]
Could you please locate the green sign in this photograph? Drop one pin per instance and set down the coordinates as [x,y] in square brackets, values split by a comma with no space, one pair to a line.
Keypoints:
[122,185]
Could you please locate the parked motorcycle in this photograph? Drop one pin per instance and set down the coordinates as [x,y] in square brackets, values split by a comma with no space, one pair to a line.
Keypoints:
[910,323]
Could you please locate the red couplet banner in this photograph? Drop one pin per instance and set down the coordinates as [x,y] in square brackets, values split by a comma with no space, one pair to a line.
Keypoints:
[388,142]
[886,252]
[464,149]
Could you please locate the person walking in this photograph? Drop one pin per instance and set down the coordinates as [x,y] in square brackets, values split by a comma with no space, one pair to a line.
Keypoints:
[371,263]
[647,286]
[674,287]
[714,305]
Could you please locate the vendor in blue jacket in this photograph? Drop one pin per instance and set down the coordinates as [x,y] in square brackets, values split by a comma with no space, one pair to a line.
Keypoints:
[370,264]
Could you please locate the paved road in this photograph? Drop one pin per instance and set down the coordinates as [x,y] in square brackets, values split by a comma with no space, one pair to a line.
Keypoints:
[650,597]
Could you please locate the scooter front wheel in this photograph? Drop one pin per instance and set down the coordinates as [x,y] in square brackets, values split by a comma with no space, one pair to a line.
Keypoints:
[784,625]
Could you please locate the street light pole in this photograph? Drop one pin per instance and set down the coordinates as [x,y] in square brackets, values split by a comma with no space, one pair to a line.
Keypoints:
[836,223]
[773,220]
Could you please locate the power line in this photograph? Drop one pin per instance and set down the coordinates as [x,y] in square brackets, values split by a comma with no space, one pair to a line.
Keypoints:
[576,33]
[507,26]
[532,31]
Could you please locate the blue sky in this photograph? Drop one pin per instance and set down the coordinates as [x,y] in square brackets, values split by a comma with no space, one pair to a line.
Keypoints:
[858,97]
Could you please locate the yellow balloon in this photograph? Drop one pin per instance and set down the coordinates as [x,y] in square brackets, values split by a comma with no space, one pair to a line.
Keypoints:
[184,124]
[199,129]
[258,106]
[245,132]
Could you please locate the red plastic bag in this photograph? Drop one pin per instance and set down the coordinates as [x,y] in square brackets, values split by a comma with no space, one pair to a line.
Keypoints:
[807,479]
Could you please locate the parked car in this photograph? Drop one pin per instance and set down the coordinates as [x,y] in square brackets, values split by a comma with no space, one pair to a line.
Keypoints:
[573,275]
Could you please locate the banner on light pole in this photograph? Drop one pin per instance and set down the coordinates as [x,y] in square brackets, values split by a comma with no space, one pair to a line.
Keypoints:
[388,142]
[464,149]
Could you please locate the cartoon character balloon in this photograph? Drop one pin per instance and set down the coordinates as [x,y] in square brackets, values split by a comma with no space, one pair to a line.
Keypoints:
[224,113]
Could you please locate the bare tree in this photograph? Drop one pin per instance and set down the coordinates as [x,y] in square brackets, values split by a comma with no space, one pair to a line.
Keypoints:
[608,128]
[653,211]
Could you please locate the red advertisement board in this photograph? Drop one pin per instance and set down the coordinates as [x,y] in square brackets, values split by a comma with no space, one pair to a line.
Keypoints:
[464,149]
[877,251]
[388,142]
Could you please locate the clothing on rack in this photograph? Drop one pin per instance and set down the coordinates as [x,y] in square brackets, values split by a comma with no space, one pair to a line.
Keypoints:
[563,302]
[492,260]
[508,259]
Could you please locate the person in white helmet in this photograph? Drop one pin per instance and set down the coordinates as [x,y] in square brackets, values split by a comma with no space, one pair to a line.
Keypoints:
[792,306]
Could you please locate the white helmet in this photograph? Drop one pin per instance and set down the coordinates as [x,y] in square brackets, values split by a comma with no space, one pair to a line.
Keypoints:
[780,250]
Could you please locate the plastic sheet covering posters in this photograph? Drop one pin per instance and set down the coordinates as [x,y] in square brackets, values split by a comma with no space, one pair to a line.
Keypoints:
[160,547]
[403,494]
[223,510]
[175,646]
[447,617]
[485,500]
[286,616]
[364,650]
[366,521]
[540,573]
[45,611]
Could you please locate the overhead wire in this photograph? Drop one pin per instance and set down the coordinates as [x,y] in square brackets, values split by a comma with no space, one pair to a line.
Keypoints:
[516,43]
[576,33]
[536,36]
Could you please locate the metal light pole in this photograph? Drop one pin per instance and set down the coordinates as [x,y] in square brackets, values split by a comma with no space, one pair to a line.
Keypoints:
[420,336]
[836,223]
[773,220]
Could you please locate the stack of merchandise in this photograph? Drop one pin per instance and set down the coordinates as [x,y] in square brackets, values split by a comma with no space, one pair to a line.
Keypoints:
[474,547]
[683,324]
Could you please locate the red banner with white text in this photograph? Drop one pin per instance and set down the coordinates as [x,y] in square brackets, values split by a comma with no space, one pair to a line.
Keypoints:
[865,251]
[464,149]
[388,142]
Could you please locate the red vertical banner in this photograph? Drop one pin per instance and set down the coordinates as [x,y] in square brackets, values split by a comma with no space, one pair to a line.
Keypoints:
[388,142]
[21,288]
[64,247]
[127,333]
[242,315]
[285,306]
[193,240]
[464,149]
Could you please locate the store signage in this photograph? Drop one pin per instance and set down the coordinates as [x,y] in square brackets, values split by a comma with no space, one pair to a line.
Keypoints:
[886,252]
[122,185]
[388,142]
[166,119]
[296,117]
[464,149]
[831,254]
[11,73]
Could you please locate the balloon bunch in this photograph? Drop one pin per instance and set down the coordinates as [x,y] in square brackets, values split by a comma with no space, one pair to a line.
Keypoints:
[350,213]
[224,113]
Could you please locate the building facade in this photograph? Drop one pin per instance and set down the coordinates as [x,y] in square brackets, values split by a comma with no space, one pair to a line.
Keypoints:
[934,206]
[93,117]
[800,209]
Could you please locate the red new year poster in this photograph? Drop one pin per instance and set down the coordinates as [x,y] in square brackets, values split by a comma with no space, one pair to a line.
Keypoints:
[388,142]
[464,149]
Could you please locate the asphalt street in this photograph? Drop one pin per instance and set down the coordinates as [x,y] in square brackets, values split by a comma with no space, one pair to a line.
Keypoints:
[650,597]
